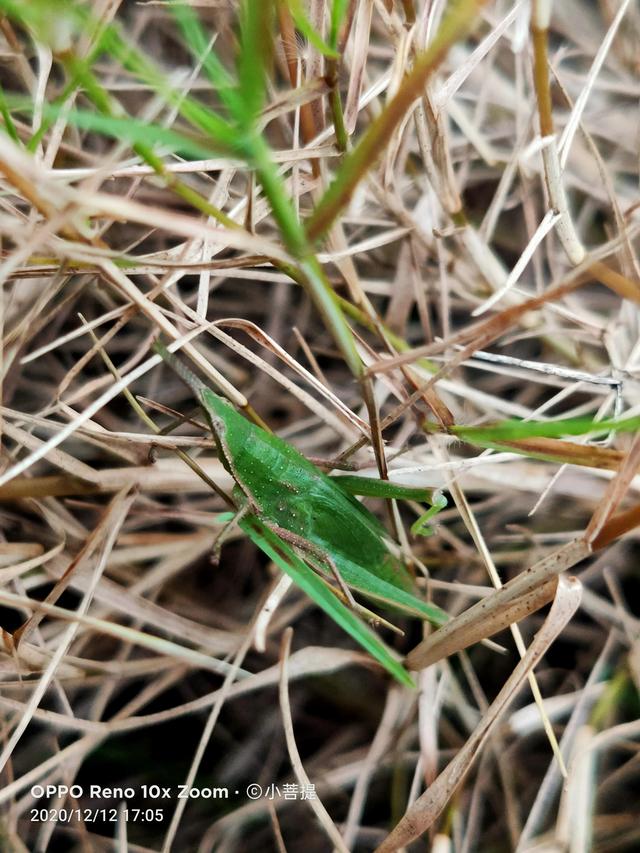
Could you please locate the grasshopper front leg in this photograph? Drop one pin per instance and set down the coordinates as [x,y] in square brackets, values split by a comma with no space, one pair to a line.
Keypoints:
[420,526]
[374,488]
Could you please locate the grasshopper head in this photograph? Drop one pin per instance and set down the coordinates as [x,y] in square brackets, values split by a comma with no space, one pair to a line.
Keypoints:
[218,410]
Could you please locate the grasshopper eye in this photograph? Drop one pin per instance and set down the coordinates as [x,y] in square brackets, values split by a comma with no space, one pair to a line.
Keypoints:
[217,424]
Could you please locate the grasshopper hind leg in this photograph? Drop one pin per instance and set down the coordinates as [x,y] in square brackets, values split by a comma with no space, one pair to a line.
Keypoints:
[311,548]
[343,591]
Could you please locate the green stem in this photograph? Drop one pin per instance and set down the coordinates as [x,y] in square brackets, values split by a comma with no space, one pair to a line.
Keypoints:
[8,121]
[313,277]
[335,102]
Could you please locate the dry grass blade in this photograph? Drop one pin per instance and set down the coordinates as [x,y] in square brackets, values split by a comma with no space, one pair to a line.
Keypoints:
[112,519]
[615,492]
[512,614]
[205,737]
[403,237]
[422,814]
[156,644]
[524,594]
[459,18]
[298,768]
[92,409]
[381,744]
[553,781]
[121,506]
[495,618]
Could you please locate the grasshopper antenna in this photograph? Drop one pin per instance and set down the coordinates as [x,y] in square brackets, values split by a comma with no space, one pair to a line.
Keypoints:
[181,369]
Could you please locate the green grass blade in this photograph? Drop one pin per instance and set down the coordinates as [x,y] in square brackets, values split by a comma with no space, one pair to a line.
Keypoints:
[39,15]
[134,131]
[307,30]
[514,430]
[6,118]
[338,12]
[54,22]
[196,41]
[256,27]
[284,556]
[220,131]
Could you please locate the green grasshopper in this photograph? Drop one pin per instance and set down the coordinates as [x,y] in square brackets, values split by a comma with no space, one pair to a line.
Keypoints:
[290,507]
